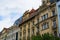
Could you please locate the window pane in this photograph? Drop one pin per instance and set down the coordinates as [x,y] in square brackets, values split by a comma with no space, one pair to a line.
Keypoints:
[53,13]
[45,26]
[46,16]
[54,23]
[42,17]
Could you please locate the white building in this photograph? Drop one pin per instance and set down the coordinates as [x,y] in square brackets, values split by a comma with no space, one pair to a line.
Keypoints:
[13,33]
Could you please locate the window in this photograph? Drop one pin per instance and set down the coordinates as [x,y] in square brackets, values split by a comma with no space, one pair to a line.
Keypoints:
[33,22]
[59,35]
[38,19]
[45,26]
[16,35]
[24,25]
[42,17]
[37,30]
[28,29]
[20,33]
[28,32]
[55,33]
[45,16]
[53,13]
[20,28]
[33,31]
[54,23]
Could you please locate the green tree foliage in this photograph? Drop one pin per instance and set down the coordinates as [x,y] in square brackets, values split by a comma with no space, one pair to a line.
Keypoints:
[45,37]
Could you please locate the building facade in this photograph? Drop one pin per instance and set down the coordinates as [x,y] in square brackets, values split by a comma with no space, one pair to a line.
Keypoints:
[13,33]
[40,21]
[3,34]
[43,20]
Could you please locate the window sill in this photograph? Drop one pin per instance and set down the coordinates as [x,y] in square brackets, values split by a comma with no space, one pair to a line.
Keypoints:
[44,29]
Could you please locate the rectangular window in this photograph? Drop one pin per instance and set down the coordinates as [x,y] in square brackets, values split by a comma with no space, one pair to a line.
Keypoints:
[42,17]
[45,16]
[24,25]
[45,26]
[32,31]
[54,23]
[28,25]
[38,20]
[53,13]
[28,29]
[20,33]
[20,28]
[38,29]
[16,35]
[28,32]
[33,22]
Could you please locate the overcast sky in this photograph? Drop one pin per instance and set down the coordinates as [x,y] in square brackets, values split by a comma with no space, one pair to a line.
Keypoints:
[10,10]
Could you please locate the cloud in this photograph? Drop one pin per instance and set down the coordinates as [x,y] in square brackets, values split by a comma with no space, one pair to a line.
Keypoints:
[10,10]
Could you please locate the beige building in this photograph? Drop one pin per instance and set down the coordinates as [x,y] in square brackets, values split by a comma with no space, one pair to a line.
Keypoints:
[40,21]
[34,22]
